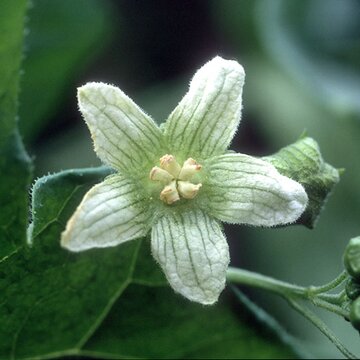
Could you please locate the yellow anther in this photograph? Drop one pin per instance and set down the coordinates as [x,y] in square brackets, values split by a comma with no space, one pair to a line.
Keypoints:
[170,194]
[188,190]
[189,169]
[176,178]
[169,163]
[158,174]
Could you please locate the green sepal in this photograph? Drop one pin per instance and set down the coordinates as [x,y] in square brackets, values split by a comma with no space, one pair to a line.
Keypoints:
[302,162]
[352,257]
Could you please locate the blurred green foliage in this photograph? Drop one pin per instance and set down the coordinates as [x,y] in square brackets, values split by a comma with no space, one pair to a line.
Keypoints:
[63,38]
[15,167]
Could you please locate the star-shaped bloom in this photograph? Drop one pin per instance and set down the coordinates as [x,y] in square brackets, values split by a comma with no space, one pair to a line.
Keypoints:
[178,181]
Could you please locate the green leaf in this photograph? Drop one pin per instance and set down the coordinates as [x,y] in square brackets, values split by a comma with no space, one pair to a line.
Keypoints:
[65,37]
[110,302]
[145,273]
[52,191]
[15,166]
[155,323]
[53,299]
[302,162]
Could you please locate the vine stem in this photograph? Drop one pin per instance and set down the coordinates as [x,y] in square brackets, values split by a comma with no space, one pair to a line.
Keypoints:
[292,293]
[313,293]
[326,301]
[315,320]
[331,285]
[336,309]
[245,277]
[333,298]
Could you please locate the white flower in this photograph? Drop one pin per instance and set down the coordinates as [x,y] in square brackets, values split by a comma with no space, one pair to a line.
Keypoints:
[178,181]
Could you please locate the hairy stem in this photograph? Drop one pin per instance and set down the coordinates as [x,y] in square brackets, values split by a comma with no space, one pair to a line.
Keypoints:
[316,294]
[245,277]
[293,293]
[336,309]
[332,284]
[333,298]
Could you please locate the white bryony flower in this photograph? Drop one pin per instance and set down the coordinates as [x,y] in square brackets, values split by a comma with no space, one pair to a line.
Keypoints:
[178,180]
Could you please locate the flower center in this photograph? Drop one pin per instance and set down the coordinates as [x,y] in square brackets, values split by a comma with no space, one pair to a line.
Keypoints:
[176,178]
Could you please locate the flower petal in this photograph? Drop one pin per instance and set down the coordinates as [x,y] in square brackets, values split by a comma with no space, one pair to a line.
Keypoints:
[193,254]
[124,136]
[243,189]
[206,119]
[110,213]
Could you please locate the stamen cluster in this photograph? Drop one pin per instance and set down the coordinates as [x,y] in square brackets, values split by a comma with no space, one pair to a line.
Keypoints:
[176,178]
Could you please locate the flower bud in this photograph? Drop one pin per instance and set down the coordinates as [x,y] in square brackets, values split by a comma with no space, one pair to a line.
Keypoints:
[352,289]
[355,314]
[352,257]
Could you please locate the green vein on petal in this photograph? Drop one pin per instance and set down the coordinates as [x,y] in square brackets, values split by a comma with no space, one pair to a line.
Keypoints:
[193,253]
[246,190]
[124,136]
[206,119]
[111,213]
